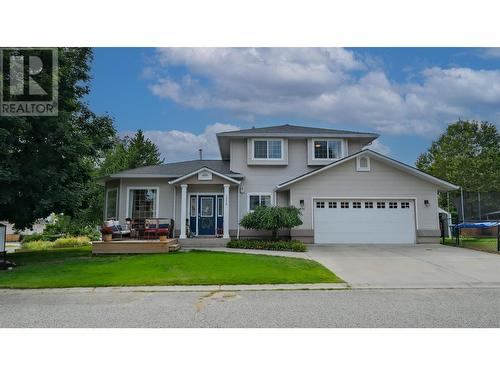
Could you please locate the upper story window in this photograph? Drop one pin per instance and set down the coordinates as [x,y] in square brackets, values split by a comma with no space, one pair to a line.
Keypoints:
[327,149]
[271,149]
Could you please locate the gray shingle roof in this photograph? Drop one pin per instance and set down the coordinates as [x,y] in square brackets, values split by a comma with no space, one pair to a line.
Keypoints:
[178,169]
[292,129]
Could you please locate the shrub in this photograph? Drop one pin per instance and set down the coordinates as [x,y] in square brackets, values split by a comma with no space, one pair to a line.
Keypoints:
[57,244]
[272,218]
[37,245]
[32,237]
[64,225]
[293,245]
[71,241]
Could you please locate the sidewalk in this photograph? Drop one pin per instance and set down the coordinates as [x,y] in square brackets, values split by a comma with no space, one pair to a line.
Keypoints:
[277,253]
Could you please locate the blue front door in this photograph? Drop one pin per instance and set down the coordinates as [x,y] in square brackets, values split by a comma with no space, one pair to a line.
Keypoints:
[206,215]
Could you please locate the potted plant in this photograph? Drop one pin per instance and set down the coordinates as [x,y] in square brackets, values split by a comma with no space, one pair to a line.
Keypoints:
[163,234]
[107,233]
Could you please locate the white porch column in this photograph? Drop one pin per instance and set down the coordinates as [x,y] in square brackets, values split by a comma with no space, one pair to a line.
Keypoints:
[226,211]
[183,210]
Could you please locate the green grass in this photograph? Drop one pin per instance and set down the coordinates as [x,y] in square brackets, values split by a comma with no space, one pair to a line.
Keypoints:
[77,268]
[484,244]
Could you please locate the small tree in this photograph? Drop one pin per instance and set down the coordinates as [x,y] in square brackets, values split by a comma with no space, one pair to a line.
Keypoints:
[272,218]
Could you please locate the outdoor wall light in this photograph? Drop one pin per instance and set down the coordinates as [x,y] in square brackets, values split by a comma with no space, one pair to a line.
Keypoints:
[426,203]
[301,203]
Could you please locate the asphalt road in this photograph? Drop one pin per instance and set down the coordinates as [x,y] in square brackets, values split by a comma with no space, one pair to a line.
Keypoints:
[333,308]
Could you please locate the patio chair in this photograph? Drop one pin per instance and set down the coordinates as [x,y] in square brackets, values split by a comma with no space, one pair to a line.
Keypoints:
[151,228]
[166,223]
[118,231]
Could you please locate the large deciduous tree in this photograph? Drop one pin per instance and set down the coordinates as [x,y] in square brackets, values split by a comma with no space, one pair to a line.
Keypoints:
[468,155]
[46,162]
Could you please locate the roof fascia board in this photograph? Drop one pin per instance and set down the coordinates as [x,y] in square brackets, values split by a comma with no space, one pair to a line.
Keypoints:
[145,175]
[299,135]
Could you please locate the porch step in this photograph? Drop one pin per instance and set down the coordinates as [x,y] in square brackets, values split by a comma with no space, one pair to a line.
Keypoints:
[203,242]
[174,247]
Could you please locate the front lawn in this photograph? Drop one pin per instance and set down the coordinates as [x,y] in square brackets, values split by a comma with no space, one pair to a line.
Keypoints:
[77,268]
[484,244]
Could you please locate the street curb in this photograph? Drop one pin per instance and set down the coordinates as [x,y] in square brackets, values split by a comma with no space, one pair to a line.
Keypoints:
[186,288]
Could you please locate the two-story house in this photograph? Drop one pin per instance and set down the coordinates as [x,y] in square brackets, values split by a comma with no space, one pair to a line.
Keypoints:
[347,194]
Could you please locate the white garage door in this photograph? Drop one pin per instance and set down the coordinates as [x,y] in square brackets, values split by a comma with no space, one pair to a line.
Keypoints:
[364,221]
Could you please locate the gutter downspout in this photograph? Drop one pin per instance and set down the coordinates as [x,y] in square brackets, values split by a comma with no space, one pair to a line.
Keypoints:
[173,215]
[238,213]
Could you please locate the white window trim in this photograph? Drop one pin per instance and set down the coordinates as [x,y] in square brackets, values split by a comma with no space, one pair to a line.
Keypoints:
[157,188]
[106,203]
[359,168]
[343,148]
[282,142]
[259,194]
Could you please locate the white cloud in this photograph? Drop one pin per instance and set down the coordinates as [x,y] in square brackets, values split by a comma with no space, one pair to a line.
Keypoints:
[176,145]
[332,85]
[379,147]
[491,53]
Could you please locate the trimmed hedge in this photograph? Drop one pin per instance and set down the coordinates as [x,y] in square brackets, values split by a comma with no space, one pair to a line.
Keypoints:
[293,245]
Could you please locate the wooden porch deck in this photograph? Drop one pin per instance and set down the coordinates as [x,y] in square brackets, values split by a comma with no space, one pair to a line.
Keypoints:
[135,246]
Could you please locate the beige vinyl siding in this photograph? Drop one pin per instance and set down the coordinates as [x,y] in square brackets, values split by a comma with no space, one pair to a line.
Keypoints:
[265,178]
[354,146]
[382,181]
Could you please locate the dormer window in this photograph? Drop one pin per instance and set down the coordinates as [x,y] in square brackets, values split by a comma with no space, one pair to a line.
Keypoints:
[268,149]
[327,149]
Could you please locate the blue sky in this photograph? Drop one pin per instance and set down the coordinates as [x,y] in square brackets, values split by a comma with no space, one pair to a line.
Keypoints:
[182,97]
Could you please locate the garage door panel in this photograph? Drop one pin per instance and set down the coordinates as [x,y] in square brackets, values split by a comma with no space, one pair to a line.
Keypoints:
[364,225]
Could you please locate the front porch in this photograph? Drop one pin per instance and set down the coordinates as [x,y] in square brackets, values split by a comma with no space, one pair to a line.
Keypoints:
[135,246]
[204,205]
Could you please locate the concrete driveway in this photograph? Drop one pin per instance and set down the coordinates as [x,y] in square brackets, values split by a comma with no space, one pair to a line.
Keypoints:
[416,266]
